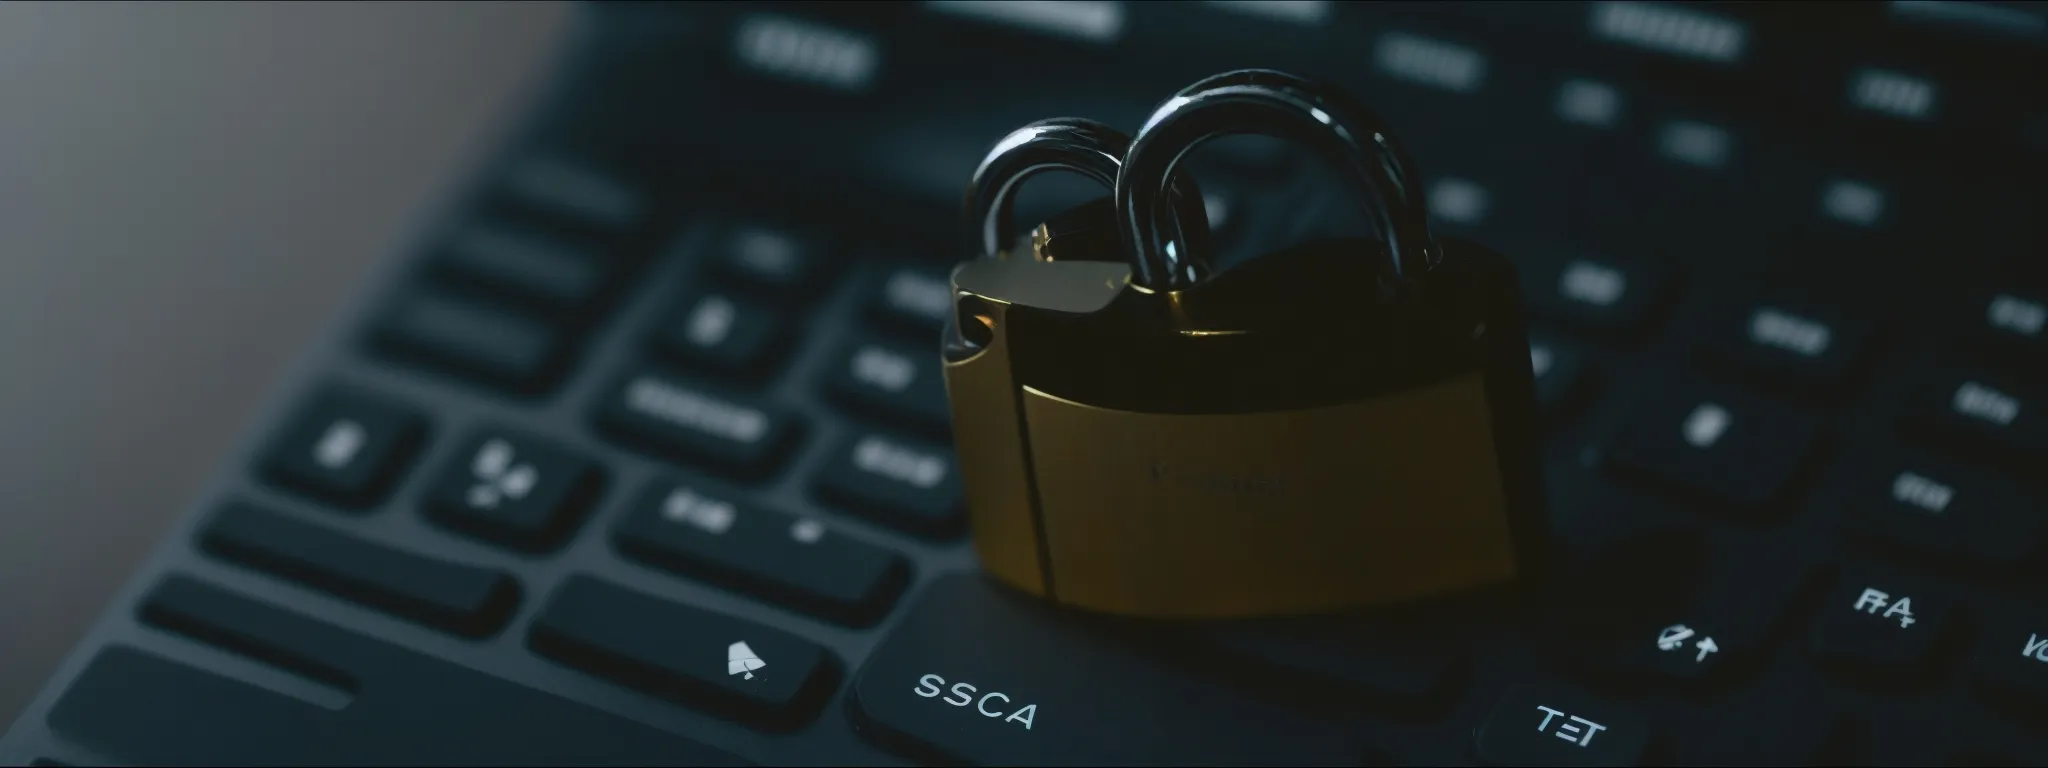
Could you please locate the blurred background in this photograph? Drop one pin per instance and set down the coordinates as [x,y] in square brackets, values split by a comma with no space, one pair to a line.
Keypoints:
[188,193]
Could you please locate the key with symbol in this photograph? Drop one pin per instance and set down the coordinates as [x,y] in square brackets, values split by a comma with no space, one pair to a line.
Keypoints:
[1546,725]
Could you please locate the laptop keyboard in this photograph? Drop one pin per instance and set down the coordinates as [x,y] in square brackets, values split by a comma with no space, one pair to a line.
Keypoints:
[605,473]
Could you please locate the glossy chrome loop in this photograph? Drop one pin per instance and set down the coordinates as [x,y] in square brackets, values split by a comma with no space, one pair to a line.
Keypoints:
[1339,128]
[1074,144]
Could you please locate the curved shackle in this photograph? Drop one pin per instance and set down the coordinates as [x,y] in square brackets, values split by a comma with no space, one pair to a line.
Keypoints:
[1262,101]
[1084,146]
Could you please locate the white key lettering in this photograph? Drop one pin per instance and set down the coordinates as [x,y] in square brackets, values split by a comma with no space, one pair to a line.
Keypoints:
[1978,401]
[2017,315]
[1773,328]
[992,704]
[682,407]
[881,457]
[1909,488]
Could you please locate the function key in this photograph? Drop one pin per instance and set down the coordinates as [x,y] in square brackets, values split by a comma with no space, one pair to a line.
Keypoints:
[1882,622]
[514,489]
[2011,656]
[1604,294]
[905,483]
[1533,725]
[731,666]
[894,381]
[464,599]
[1803,345]
[772,260]
[695,423]
[702,532]
[1562,372]
[723,333]
[344,446]
[913,300]
[976,675]
[524,264]
[502,348]
[1740,450]
[1914,501]
[1980,410]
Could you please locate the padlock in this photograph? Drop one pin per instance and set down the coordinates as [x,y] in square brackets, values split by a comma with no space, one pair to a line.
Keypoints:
[1342,424]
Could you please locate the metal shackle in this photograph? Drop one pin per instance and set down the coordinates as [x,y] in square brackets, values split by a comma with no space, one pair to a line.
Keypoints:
[1084,146]
[1336,126]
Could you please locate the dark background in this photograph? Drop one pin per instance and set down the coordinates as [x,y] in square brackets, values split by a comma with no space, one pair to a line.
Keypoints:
[189,192]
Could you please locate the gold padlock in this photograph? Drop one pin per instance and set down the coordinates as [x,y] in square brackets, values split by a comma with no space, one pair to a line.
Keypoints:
[1342,424]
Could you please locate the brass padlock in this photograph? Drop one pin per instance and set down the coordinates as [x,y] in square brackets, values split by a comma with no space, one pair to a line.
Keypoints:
[1342,424]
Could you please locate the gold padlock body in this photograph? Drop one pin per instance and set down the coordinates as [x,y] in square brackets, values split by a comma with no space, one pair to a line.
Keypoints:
[1158,500]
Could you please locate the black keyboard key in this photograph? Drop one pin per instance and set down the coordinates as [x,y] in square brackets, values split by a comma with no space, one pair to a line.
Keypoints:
[909,484]
[404,707]
[1725,620]
[893,381]
[1533,725]
[579,193]
[1608,295]
[514,489]
[1980,411]
[464,599]
[699,531]
[1881,625]
[913,300]
[977,674]
[1736,449]
[502,348]
[1918,502]
[771,260]
[731,666]
[2013,321]
[525,264]
[1372,660]
[2010,660]
[723,333]
[1562,373]
[693,423]
[344,446]
[1800,345]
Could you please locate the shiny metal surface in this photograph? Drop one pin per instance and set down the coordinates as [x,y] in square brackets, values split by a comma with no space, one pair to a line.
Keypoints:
[1336,126]
[1084,146]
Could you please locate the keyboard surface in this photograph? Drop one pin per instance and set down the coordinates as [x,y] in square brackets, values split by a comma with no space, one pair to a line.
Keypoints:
[639,453]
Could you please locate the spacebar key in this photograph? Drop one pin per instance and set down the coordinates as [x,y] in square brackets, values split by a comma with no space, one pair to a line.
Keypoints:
[979,675]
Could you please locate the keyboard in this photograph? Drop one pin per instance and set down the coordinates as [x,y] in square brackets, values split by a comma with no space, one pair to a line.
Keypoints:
[637,452]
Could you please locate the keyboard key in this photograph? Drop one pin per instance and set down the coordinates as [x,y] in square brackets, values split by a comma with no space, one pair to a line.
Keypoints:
[1607,295]
[1398,667]
[905,483]
[1882,625]
[1533,725]
[1801,345]
[403,708]
[525,264]
[913,300]
[690,422]
[1985,412]
[1720,621]
[344,446]
[893,381]
[977,674]
[502,348]
[728,665]
[772,260]
[1561,370]
[515,489]
[464,599]
[1918,502]
[1736,449]
[801,562]
[723,333]
[2011,656]
[579,192]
